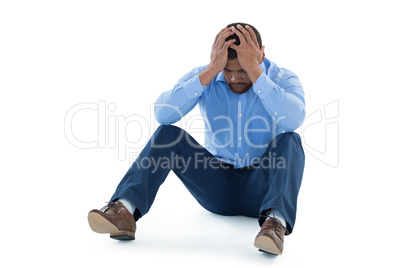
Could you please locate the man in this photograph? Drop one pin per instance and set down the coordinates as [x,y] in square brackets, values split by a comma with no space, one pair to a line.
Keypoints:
[253,162]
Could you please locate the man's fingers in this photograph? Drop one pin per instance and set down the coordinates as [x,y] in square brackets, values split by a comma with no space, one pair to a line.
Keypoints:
[239,34]
[246,34]
[233,46]
[225,34]
[253,35]
[229,43]
[217,36]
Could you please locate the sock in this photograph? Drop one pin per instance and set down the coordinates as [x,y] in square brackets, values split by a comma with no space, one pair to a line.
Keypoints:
[130,206]
[278,215]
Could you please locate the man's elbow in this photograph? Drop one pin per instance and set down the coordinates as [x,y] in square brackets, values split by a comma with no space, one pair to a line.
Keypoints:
[294,122]
[300,119]
[164,116]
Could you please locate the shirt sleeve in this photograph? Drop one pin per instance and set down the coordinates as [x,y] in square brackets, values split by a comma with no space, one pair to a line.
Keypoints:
[173,104]
[285,103]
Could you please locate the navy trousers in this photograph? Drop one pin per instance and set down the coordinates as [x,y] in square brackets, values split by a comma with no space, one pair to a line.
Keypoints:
[219,187]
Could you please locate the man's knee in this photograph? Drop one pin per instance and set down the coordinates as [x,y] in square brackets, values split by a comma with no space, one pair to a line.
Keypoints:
[290,135]
[284,141]
[286,137]
[166,135]
[174,135]
[168,128]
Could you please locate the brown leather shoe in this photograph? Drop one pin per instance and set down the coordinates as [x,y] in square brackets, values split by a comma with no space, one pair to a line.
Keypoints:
[114,218]
[271,237]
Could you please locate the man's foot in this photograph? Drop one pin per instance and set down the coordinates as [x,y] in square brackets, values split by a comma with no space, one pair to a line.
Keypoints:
[113,219]
[271,237]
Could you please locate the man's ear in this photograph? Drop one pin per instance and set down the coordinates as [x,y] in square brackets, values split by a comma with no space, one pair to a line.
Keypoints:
[263,53]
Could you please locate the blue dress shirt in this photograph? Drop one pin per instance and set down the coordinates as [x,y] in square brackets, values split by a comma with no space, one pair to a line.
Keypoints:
[238,127]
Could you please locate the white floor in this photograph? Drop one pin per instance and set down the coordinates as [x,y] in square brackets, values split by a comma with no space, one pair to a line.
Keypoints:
[178,232]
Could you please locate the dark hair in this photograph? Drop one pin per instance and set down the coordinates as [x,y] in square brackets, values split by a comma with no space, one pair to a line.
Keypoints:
[232,54]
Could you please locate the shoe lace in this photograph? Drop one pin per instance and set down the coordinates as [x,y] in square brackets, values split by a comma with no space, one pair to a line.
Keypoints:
[110,205]
[275,224]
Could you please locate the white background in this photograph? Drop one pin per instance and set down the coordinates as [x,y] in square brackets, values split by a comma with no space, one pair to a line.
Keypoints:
[57,54]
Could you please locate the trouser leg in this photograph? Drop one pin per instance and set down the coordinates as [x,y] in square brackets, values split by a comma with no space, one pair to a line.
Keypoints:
[276,181]
[171,148]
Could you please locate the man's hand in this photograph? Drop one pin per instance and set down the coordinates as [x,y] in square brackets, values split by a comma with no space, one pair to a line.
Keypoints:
[249,53]
[219,53]
[219,56]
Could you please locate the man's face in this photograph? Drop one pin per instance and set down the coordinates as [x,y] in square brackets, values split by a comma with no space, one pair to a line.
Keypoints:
[237,79]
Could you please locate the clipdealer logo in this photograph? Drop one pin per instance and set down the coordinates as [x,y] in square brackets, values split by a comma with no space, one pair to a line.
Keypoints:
[319,131]
[320,134]
[112,129]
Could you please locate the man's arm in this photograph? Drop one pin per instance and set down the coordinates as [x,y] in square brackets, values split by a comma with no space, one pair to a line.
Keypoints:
[285,102]
[172,105]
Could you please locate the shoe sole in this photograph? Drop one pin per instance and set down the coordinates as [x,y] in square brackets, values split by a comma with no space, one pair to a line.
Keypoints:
[101,225]
[266,244]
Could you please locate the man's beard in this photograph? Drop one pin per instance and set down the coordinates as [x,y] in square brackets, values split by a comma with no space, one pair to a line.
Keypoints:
[239,87]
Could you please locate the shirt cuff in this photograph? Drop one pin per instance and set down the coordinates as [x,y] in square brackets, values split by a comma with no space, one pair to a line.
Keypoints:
[263,86]
[193,87]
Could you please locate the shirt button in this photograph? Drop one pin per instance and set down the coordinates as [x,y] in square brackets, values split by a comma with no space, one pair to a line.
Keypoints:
[240,115]
[240,159]
[239,138]
[177,107]
[195,93]
[275,113]
[258,91]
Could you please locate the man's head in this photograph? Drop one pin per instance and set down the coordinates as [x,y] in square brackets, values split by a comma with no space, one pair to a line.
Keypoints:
[232,54]
[237,79]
